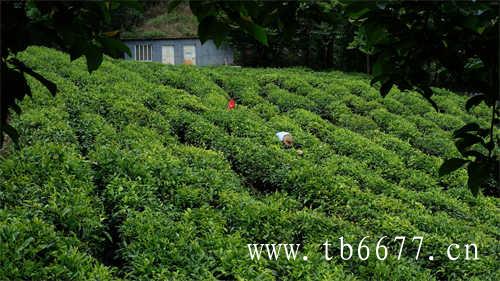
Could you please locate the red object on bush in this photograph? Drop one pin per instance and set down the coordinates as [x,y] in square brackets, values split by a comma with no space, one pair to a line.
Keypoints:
[231,104]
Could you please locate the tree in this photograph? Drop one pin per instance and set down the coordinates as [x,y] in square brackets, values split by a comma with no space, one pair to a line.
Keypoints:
[78,28]
[308,33]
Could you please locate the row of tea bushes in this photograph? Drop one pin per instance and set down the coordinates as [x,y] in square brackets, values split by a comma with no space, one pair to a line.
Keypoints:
[51,219]
[342,116]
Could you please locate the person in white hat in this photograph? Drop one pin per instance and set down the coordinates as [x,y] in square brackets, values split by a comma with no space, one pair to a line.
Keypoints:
[287,139]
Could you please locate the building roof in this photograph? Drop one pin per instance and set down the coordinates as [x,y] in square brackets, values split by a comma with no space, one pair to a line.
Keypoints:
[158,38]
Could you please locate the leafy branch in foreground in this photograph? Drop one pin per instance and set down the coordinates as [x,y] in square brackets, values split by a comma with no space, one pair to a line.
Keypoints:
[407,39]
[78,28]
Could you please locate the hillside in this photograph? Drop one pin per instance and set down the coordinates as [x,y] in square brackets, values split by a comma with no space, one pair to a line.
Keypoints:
[139,172]
[159,22]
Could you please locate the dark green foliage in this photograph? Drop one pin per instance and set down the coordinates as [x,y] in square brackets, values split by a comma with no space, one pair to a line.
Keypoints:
[461,39]
[79,29]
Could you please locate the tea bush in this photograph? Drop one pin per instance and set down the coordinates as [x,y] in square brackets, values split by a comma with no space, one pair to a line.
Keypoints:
[32,249]
[139,172]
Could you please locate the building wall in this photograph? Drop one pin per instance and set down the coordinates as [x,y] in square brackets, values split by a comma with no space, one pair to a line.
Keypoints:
[206,54]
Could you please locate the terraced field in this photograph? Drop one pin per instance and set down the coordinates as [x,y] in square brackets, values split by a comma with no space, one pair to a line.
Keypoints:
[139,172]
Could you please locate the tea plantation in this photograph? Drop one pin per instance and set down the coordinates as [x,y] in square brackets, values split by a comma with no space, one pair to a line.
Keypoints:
[139,172]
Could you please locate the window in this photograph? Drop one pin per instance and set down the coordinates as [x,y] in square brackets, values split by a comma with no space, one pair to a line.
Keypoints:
[144,52]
